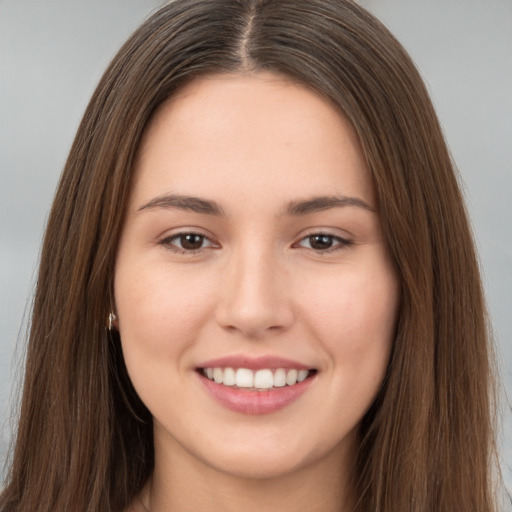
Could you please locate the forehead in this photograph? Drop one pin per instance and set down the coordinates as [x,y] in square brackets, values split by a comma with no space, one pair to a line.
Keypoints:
[221,132]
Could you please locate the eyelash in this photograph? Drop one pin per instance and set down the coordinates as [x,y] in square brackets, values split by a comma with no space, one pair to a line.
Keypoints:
[169,242]
[342,243]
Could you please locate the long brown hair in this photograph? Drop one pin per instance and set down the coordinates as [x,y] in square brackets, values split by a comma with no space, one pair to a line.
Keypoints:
[84,441]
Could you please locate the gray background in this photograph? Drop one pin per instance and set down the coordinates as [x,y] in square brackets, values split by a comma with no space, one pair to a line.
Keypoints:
[52,54]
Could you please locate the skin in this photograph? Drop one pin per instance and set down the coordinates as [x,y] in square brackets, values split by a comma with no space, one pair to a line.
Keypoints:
[258,285]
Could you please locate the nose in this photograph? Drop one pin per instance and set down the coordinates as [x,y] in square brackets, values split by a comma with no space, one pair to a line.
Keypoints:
[254,298]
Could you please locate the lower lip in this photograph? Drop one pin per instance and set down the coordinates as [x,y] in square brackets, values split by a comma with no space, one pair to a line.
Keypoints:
[255,402]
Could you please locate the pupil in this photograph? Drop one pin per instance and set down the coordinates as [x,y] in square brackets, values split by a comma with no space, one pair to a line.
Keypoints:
[320,241]
[191,241]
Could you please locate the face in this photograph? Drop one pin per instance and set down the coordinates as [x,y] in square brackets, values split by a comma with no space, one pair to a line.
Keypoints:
[255,294]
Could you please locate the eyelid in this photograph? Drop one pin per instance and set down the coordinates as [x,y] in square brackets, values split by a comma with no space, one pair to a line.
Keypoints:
[340,242]
[166,240]
[343,242]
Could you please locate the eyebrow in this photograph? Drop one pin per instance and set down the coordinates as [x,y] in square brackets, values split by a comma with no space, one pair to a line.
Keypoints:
[294,208]
[188,203]
[317,204]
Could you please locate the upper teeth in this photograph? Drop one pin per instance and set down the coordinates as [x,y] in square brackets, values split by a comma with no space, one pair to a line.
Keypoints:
[260,379]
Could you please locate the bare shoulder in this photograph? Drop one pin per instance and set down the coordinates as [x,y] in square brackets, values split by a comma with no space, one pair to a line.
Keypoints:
[132,507]
[135,506]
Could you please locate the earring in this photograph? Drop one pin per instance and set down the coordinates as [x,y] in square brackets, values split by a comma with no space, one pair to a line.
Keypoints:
[110,322]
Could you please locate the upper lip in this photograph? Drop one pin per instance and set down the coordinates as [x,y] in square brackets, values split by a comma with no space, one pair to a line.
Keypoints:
[253,363]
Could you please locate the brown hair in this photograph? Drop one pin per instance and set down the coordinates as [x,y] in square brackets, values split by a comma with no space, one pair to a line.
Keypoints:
[84,440]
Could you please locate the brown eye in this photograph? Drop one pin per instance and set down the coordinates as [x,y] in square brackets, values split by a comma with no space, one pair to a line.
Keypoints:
[191,241]
[187,242]
[321,242]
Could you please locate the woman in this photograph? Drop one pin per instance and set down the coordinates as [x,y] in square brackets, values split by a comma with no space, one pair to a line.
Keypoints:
[258,286]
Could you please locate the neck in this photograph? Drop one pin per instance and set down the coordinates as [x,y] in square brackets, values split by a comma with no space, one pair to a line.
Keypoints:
[183,484]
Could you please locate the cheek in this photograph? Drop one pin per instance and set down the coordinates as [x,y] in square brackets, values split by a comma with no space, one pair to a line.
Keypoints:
[160,317]
[355,320]
[159,312]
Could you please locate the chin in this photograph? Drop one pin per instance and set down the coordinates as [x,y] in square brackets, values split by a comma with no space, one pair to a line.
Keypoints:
[280,459]
[260,467]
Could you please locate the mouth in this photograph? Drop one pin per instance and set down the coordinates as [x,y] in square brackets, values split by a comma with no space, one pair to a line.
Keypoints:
[255,385]
[263,379]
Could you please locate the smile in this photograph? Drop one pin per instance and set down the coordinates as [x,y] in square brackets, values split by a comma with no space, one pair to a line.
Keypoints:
[255,386]
[259,380]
